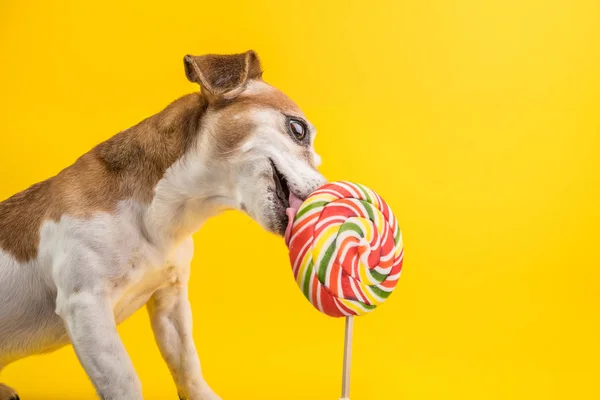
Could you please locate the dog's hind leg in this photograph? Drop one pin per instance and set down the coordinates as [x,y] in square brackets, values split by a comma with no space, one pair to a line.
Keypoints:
[7,393]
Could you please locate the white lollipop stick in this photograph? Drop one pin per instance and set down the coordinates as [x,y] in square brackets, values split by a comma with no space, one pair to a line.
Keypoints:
[347,358]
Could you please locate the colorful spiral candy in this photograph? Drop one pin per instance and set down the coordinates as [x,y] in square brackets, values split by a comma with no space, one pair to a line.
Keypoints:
[346,249]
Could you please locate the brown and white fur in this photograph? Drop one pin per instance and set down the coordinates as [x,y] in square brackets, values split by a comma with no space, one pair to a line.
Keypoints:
[83,250]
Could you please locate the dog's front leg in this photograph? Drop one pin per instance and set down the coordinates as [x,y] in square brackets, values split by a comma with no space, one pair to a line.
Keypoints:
[171,318]
[92,329]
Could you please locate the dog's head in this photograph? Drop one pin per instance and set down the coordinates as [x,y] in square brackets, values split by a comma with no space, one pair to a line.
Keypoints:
[259,143]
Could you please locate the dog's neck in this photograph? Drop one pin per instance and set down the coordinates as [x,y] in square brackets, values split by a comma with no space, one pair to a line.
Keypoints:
[178,210]
[195,187]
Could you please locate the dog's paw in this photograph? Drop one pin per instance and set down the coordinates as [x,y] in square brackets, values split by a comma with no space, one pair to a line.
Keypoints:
[7,393]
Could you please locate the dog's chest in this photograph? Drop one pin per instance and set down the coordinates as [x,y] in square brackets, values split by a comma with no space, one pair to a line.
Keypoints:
[138,287]
[137,267]
[146,272]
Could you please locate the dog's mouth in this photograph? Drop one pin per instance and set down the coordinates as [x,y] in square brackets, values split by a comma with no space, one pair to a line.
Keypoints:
[282,189]
[287,200]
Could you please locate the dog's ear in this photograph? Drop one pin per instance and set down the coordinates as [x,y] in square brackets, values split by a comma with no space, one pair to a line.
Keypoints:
[222,76]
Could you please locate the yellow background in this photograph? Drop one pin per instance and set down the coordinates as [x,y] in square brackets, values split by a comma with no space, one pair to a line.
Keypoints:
[478,121]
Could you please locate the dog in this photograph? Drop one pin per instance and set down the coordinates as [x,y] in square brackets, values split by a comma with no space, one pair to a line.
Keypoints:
[83,250]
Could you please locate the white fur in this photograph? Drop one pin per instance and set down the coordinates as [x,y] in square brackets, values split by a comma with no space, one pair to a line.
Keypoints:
[91,274]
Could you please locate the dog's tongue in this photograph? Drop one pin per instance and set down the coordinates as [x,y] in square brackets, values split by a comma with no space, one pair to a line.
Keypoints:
[295,204]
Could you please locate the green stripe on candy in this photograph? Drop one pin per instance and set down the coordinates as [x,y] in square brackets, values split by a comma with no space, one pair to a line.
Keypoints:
[324,265]
[380,292]
[378,277]
[365,192]
[369,207]
[366,307]
[306,288]
[397,235]
[310,206]
[349,226]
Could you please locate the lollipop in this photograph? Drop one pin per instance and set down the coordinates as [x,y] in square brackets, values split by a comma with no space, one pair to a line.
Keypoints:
[346,252]
[345,249]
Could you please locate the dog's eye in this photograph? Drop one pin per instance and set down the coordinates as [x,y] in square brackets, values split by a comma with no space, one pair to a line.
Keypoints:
[297,128]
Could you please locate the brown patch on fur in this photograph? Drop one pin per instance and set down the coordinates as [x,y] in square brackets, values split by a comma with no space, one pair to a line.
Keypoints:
[219,75]
[20,219]
[234,125]
[127,166]
[271,98]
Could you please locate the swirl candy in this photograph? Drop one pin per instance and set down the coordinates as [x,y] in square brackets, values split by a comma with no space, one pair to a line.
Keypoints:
[346,249]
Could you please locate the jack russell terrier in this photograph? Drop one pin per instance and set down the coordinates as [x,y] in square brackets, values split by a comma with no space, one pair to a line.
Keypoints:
[83,250]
